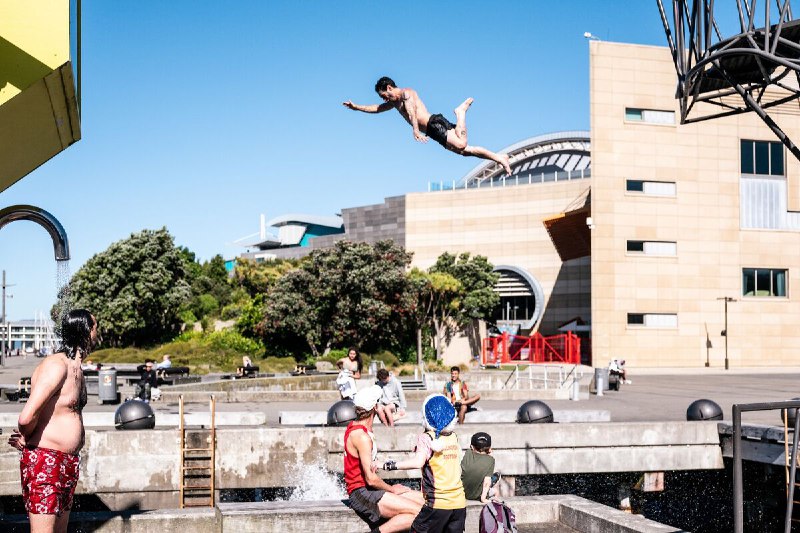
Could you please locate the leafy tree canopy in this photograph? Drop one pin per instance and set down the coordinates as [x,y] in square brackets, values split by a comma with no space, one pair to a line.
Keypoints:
[135,288]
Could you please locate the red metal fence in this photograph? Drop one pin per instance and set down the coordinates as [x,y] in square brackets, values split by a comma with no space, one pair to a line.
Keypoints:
[518,350]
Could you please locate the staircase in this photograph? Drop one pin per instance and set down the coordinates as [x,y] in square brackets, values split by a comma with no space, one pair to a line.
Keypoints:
[198,456]
[413,384]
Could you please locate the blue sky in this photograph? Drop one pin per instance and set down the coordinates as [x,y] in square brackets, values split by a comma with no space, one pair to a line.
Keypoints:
[200,115]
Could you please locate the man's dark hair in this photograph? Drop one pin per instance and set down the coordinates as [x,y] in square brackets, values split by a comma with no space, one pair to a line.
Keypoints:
[455,368]
[481,441]
[383,83]
[382,374]
[76,333]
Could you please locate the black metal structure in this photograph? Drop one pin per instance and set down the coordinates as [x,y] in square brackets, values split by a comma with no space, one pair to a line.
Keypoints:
[753,70]
[738,482]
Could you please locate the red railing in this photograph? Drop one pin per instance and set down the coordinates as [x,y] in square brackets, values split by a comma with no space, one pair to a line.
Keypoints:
[518,350]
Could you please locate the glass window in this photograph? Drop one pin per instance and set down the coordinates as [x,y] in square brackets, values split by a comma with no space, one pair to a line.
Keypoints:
[653,247]
[651,188]
[636,319]
[650,116]
[762,157]
[747,157]
[764,282]
[634,185]
[776,159]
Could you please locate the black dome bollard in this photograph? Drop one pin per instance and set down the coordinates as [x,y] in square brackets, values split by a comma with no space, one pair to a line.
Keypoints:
[703,410]
[534,412]
[341,413]
[790,414]
[135,414]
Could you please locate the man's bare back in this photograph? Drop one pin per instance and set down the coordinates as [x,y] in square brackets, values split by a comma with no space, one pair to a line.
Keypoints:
[410,106]
[60,422]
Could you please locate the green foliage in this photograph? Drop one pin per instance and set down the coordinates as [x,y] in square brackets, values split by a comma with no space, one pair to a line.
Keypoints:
[257,278]
[252,313]
[187,317]
[353,293]
[206,305]
[477,279]
[388,358]
[135,288]
[220,351]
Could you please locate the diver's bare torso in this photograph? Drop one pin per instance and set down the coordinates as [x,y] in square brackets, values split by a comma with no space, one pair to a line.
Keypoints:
[411,98]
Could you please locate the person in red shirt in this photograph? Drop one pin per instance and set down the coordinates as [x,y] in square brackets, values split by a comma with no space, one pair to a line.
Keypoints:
[370,497]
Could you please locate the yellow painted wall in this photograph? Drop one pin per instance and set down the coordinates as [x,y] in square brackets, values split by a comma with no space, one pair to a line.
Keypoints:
[34,41]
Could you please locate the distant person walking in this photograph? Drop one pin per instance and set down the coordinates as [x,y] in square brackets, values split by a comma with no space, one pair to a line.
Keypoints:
[458,393]
[50,427]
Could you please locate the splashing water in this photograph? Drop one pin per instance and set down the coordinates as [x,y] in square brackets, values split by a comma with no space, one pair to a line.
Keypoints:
[64,302]
[313,481]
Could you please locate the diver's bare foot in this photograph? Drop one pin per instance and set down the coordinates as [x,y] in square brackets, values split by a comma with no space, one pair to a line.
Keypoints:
[503,160]
[462,109]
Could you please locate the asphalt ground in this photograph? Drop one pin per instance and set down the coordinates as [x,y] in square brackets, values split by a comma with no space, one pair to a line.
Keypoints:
[655,394]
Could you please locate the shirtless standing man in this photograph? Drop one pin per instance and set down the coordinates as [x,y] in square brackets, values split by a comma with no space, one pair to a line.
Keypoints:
[50,427]
[410,106]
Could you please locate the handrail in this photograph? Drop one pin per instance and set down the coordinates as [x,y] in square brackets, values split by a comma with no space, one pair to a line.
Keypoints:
[738,490]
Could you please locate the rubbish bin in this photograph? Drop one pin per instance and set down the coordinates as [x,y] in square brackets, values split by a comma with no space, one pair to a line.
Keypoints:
[107,386]
[600,380]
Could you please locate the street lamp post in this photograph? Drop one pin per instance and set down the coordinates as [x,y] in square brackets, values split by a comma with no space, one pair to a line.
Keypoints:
[726,299]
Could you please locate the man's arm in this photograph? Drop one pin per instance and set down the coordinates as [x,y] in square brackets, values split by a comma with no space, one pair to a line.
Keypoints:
[487,484]
[401,394]
[374,108]
[47,380]
[363,445]
[410,105]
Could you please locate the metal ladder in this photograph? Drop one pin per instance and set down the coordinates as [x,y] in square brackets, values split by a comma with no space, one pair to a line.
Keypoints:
[198,458]
[788,432]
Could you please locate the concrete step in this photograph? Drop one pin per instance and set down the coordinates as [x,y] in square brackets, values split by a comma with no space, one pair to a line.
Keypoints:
[319,418]
[413,384]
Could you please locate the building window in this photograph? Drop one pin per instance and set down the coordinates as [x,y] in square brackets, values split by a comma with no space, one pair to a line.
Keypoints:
[653,320]
[764,282]
[762,157]
[649,116]
[651,188]
[652,247]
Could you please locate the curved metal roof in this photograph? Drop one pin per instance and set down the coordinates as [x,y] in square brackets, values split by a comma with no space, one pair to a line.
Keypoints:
[565,151]
[305,220]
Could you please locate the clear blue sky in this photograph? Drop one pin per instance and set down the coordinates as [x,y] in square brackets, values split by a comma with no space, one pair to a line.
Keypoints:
[200,115]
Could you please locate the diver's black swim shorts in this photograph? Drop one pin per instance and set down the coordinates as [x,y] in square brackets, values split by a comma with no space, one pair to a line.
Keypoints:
[438,127]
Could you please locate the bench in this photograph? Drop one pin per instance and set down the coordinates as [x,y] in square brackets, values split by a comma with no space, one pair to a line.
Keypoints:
[247,371]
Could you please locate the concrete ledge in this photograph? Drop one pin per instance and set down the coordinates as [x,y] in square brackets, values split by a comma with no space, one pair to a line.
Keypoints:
[258,394]
[487,416]
[335,516]
[106,419]
[195,520]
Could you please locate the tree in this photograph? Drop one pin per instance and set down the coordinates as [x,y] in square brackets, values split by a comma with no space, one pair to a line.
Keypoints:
[352,294]
[135,289]
[474,300]
[258,278]
[438,293]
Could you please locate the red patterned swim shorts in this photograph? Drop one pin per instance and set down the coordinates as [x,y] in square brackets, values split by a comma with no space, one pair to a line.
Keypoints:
[48,480]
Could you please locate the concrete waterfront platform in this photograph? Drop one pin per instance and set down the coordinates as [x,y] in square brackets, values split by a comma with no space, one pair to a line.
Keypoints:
[484,416]
[333,515]
[140,468]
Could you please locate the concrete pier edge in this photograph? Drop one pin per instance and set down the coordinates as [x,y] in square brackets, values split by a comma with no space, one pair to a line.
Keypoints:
[333,515]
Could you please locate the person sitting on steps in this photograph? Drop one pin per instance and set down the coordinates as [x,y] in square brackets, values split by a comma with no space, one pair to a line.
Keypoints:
[458,393]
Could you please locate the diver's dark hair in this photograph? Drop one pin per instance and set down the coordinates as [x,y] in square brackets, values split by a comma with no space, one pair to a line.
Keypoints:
[383,83]
[359,362]
[76,333]
[456,369]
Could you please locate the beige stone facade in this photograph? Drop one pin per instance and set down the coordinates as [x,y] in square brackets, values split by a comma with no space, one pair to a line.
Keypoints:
[681,287]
